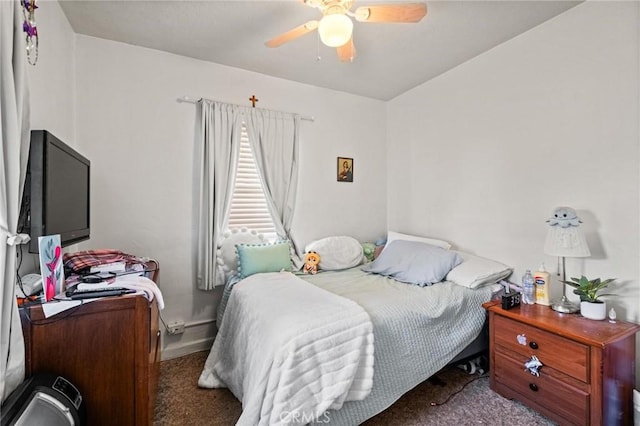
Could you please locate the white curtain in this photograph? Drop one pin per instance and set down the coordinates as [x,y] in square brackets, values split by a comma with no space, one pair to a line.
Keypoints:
[14,131]
[274,138]
[220,128]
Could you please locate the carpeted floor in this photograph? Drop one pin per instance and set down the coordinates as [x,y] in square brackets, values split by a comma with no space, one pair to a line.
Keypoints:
[181,402]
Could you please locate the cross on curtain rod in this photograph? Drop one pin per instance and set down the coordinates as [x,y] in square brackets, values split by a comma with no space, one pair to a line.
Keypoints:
[196,100]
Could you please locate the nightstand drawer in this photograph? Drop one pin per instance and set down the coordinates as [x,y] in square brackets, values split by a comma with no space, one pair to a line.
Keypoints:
[564,355]
[564,400]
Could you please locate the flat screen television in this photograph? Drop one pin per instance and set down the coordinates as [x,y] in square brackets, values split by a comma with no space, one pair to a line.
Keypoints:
[56,197]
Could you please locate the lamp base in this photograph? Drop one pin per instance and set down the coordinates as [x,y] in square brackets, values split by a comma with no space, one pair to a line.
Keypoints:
[565,306]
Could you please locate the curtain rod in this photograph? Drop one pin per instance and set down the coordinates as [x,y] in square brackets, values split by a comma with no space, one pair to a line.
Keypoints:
[195,101]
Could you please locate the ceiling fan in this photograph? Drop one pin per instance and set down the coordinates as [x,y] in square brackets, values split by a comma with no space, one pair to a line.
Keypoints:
[336,27]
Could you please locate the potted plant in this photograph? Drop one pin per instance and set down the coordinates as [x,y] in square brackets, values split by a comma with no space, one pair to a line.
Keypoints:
[589,291]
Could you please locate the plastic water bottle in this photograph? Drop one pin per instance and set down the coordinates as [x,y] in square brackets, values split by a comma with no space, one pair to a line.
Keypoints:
[528,288]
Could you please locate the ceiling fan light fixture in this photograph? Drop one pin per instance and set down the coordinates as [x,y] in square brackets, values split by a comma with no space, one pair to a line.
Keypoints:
[335,30]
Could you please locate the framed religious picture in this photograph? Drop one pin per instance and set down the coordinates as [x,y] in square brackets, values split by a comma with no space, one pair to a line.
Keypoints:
[345,169]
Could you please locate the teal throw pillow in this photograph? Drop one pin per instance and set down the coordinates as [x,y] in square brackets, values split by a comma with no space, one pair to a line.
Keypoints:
[256,258]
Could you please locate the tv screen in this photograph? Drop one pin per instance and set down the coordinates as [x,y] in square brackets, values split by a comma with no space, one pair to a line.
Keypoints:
[56,194]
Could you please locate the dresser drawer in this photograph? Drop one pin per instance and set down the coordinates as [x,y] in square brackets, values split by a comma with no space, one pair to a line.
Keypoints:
[562,399]
[564,355]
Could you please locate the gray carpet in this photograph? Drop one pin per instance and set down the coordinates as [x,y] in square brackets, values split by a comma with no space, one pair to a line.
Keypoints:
[465,400]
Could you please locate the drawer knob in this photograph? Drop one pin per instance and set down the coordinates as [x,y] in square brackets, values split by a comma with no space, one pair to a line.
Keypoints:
[533,387]
[533,345]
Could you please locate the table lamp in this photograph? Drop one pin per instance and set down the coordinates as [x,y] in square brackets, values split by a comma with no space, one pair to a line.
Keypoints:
[564,239]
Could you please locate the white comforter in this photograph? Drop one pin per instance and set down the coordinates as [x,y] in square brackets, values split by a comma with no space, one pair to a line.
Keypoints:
[290,350]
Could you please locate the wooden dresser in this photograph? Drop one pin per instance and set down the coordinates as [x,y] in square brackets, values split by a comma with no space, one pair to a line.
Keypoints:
[588,371]
[109,349]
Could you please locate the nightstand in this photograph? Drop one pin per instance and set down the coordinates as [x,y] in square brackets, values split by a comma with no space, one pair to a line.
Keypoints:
[588,372]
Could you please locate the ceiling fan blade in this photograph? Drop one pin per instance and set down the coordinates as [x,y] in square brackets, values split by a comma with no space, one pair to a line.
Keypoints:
[292,34]
[403,13]
[347,51]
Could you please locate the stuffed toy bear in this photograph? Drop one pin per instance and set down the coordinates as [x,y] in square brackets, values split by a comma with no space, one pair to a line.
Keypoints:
[311,260]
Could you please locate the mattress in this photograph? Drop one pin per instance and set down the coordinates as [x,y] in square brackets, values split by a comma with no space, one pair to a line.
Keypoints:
[417,331]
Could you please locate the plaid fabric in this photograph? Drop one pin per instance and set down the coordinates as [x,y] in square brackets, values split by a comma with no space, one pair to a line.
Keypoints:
[82,260]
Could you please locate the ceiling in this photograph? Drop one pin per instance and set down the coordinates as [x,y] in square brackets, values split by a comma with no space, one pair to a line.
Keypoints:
[390,58]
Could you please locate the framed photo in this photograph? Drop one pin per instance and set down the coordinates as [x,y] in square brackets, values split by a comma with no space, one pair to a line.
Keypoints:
[345,169]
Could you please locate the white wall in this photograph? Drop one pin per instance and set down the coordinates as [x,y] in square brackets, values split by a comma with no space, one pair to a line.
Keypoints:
[141,144]
[52,79]
[482,154]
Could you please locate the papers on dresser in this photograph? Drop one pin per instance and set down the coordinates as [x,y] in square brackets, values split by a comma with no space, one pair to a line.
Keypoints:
[55,307]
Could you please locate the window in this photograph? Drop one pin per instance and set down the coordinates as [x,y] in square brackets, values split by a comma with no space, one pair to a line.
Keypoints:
[248,204]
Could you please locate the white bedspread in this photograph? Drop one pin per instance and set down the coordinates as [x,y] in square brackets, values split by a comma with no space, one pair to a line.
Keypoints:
[290,350]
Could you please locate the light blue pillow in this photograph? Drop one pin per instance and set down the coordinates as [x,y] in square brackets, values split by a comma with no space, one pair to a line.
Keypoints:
[256,258]
[414,262]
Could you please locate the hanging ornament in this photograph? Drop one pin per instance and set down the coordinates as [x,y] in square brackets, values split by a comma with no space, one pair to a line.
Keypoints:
[29,27]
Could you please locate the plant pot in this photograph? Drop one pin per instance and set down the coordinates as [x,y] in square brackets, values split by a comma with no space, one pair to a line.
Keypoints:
[594,311]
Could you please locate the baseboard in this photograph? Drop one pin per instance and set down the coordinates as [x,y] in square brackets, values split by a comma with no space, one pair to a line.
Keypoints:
[176,351]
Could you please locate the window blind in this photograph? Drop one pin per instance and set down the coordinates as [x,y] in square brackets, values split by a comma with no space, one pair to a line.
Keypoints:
[248,204]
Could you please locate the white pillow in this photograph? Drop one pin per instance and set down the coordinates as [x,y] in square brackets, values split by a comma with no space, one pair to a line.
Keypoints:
[392,236]
[476,271]
[337,253]
[227,258]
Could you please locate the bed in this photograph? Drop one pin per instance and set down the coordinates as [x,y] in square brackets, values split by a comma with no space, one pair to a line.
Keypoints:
[417,330]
